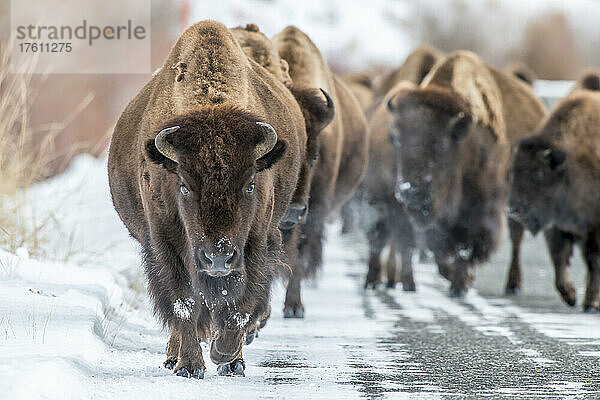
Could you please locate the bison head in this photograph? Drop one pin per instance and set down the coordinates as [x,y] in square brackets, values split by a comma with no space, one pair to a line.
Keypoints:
[539,184]
[318,110]
[428,128]
[214,157]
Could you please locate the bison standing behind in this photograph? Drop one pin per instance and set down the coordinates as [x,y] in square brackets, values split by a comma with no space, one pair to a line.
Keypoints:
[342,154]
[318,111]
[454,135]
[556,186]
[203,164]
[388,222]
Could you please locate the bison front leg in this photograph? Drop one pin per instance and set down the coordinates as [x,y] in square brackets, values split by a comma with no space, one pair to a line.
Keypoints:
[391,267]
[406,274]
[591,301]
[293,307]
[445,266]
[560,245]
[172,349]
[378,236]
[513,283]
[461,278]
[190,363]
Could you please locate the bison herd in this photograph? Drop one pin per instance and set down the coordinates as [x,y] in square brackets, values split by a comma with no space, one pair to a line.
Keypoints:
[228,163]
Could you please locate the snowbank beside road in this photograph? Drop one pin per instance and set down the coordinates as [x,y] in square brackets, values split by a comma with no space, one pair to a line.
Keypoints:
[81,326]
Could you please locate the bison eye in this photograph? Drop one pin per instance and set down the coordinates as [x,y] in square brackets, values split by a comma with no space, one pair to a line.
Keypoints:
[184,190]
[250,188]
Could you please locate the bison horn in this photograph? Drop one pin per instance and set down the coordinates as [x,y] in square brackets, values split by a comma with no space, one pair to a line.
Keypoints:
[390,104]
[456,119]
[330,103]
[268,142]
[166,148]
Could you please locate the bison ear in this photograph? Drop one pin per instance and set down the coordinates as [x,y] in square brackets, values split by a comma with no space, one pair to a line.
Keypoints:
[317,108]
[459,125]
[267,161]
[158,158]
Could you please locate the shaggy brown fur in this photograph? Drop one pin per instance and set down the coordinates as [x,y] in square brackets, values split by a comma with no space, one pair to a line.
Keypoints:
[414,69]
[361,85]
[556,186]
[521,71]
[387,221]
[316,105]
[204,204]
[260,48]
[318,111]
[342,153]
[454,136]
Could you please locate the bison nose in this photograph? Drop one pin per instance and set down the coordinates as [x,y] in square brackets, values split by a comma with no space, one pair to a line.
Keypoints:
[220,264]
[293,216]
[513,212]
[414,197]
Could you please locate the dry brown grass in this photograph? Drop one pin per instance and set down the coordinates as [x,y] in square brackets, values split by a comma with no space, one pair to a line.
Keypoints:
[23,160]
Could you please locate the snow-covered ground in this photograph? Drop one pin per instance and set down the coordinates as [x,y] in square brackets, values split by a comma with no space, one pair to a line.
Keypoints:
[83,327]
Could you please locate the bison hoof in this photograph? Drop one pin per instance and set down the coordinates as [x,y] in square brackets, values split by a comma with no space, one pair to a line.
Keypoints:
[458,293]
[234,368]
[262,325]
[512,291]
[569,296]
[293,312]
[390,284]
[250,337]
[170,363]
[371,284]
[197,373]
[409,286]
[591,309]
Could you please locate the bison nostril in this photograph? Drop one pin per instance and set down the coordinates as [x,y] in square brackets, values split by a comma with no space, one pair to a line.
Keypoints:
[303,212]
[512,211]
[229,257]
[219,263]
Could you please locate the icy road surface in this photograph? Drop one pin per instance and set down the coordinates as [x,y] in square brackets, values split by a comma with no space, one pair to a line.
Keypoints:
[83,328]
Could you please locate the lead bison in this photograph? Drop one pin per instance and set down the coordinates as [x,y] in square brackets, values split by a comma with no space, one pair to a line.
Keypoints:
[556,181]
[454,135]
[342,155]
[202,166]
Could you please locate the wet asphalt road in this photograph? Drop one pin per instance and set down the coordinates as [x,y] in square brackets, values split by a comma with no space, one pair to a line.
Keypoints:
[486,345]
[386,344]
